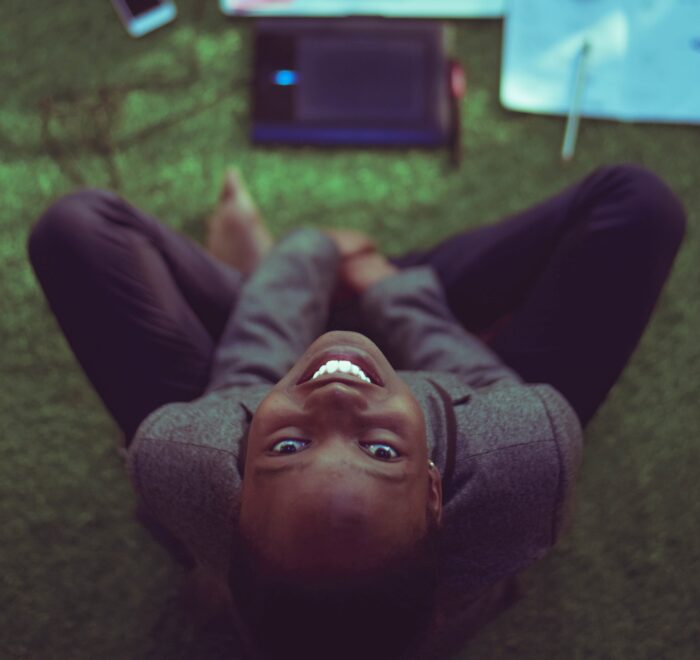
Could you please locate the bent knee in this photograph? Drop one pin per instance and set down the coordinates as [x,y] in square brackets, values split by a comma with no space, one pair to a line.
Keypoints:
[67,221]
[653,209]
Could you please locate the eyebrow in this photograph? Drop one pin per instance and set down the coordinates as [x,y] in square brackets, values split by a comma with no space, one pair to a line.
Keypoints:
[270,470]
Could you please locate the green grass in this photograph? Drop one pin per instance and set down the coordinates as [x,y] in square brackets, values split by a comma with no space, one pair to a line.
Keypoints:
[158,120]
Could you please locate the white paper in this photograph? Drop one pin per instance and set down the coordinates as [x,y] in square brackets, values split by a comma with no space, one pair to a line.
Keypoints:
[644,62]
[388,8]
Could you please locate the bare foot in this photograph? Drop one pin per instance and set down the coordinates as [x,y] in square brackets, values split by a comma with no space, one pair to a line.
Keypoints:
[237,233]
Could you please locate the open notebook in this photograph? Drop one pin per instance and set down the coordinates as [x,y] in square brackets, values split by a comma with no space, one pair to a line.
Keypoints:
[387,8]
[643,62]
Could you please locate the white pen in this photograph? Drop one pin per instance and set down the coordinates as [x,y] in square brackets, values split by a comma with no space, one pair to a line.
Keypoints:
[572,122]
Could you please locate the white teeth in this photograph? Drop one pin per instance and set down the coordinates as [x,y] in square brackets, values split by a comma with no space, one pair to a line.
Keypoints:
[344,366]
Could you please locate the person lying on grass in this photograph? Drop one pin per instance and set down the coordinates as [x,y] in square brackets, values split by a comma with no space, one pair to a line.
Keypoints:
[352,454]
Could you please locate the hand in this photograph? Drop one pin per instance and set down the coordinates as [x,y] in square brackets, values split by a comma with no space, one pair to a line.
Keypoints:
[361,265]
[360,272]
[350,243]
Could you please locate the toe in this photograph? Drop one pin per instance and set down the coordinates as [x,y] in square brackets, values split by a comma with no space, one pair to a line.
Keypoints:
[231,185]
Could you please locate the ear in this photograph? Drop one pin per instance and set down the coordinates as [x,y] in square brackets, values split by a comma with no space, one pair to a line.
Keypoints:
[435,492]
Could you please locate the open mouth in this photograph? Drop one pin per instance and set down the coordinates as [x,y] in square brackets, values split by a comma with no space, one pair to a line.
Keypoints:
[339,363]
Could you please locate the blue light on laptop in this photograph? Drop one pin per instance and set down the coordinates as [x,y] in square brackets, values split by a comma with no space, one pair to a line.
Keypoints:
[285,77]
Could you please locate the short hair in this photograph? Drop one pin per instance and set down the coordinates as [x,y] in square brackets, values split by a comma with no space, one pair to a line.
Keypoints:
[384,614]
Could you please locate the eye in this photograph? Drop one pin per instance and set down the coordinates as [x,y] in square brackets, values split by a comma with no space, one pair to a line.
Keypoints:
[383,451]
[287,446]
[379,450]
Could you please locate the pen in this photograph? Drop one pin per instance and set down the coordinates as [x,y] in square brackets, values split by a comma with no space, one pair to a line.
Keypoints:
[572,122]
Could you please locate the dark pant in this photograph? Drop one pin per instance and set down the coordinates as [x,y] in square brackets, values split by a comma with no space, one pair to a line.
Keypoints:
[562,291]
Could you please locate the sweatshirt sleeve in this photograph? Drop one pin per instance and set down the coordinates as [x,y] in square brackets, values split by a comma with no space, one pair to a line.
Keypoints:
[183,466]
[568,436]
[408,316]
[283,307]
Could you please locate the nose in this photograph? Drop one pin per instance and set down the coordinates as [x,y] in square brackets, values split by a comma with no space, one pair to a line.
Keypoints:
[335,397]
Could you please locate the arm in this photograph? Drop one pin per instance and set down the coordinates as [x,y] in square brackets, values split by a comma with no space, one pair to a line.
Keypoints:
[512,494]
[407,313]
[283,307]
[568,436]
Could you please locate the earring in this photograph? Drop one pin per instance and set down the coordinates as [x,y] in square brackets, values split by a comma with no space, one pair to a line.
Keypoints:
[431,464]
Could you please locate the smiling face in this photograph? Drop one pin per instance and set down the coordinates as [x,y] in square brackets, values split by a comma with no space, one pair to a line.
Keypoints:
[336,472]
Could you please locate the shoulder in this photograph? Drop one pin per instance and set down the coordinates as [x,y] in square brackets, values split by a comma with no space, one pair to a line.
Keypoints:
[509,414]
[180,441]
[213,420]
[184,466]
[504,415]
[495,417]
[514,461]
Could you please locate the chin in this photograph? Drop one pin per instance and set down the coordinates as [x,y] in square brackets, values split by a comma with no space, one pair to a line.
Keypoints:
[346,337]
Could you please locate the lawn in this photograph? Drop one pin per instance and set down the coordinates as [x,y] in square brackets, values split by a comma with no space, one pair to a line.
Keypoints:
[158,120]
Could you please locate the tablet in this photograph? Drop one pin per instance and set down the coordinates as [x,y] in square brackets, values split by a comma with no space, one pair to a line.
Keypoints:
[350,81]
